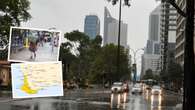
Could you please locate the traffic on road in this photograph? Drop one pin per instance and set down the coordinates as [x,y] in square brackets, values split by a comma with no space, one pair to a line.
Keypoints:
[115,98]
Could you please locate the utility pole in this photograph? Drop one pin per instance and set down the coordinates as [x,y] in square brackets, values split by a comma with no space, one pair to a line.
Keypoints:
[126,2]
[165,36]
[119,33]
[189,61]
[189,73]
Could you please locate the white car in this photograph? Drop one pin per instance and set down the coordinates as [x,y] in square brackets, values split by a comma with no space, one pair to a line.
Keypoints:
[137,88]
[156,90]
[117,87]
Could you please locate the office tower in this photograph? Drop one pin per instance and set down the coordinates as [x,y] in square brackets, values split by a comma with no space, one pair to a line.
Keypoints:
[167,32]
[111,30]
[151,56]
[180,34]
[154,24]
[92,26]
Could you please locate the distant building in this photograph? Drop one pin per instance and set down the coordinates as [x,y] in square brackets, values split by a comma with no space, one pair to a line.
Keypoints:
[149,47]
[92,26]
[156,46]
[111,30]
[154,24]
[150,61]
[153,42]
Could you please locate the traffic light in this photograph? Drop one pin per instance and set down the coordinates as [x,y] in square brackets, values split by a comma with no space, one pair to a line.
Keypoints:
[127,3]
[114,2]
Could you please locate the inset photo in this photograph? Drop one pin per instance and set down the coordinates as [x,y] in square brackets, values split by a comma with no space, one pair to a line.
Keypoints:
[33,45]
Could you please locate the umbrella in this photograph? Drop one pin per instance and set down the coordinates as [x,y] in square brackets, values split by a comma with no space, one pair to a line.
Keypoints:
[32,39]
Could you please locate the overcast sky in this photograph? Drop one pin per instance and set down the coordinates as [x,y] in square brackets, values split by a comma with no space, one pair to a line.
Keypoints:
[68,15]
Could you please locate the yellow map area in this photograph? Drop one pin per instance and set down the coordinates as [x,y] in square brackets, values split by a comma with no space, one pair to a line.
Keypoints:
[26,87]
[40,76]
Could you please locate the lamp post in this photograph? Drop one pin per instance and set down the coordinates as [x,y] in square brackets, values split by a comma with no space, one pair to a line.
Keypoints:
[119,32]
[126,2]
[134,66]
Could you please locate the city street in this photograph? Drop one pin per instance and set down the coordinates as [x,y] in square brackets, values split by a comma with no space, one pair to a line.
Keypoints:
[96,99]
[43,53]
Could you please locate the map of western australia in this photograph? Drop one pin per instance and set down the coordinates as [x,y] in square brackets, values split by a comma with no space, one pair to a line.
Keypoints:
[36,80]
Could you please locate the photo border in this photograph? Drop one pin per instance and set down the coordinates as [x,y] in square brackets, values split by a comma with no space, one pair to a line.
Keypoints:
[45,96]
[39,29]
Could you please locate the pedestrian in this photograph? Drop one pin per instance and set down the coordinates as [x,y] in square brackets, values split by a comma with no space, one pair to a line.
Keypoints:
[52,42]
[33,49]
[42,39]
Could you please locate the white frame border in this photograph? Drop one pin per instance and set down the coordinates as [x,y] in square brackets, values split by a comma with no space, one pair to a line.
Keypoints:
[10,35]
[45,96]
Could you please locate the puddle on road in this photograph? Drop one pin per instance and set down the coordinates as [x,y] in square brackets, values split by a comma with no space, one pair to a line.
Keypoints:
[55,104]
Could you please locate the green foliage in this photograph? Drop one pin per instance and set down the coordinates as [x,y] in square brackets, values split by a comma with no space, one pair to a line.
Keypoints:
[174,74]
[12,13]
[94,62]
[148,75]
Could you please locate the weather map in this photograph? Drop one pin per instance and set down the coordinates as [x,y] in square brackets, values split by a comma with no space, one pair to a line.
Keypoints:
[36,79]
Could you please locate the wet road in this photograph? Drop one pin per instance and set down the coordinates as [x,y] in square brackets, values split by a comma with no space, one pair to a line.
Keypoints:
[94,99]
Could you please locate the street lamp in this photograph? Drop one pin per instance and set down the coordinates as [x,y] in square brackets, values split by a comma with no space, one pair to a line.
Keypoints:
[134,66]
[126,2]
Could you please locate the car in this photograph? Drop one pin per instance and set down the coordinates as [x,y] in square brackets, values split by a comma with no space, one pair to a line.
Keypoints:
[146,87]
[137,88]
[156,90]
[117,87]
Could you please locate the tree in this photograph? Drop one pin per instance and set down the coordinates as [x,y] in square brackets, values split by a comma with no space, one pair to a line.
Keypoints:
[12,13]
[173,75]
[77,64]
[93,62]
[66,57]
[104,65]
[149,74]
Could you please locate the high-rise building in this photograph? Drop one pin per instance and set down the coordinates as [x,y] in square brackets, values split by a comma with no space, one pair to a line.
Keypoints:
[154,24]
[180,38]
[156,48]
[111,30]
[150,61]
[92,26]
[180,34]
[154,32]
[149,47]
[151,56]
[167,32]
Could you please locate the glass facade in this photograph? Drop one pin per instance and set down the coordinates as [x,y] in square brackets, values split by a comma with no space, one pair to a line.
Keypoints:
[92,26]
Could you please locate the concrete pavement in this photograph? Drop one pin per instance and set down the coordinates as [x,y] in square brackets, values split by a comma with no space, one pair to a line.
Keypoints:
[43,54]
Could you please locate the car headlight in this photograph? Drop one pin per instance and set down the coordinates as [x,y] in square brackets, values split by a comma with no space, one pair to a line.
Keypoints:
[160,91]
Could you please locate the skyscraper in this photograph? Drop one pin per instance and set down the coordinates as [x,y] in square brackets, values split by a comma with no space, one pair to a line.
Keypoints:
[151,56]
[154,32]
[92,26]
[168,32]
[180,38]
[154,24]
[111,30]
